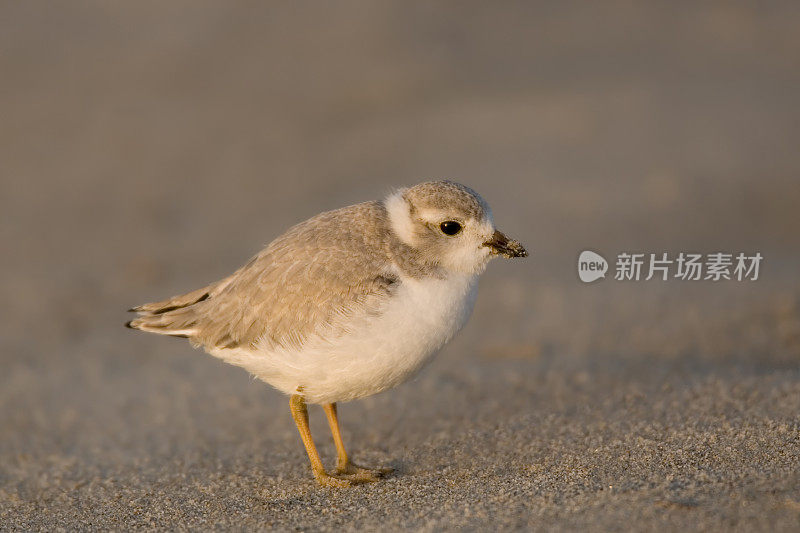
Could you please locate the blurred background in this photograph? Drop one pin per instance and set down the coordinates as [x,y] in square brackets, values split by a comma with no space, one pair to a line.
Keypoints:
[148,148]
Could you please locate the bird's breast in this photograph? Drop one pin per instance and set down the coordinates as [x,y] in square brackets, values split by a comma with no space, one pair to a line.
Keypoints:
[432,310]
[420,317]
[376,352]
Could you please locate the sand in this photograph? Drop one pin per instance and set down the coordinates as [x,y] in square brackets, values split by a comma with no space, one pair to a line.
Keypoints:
[147,150]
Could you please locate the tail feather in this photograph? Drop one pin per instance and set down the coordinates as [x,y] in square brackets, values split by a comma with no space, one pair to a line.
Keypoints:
[174,316]
[179,323]
[171,304]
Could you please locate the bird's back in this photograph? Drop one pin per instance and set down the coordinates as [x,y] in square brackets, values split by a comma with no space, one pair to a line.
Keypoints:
[303,283]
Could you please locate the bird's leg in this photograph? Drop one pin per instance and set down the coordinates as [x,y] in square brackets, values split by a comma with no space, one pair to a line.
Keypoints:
[343,465]
[300,414]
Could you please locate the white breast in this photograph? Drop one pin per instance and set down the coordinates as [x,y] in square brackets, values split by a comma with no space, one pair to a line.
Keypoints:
[379,352]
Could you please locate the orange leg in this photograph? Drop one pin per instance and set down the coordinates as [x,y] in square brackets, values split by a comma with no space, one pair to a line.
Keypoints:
[343,465]
[300,414]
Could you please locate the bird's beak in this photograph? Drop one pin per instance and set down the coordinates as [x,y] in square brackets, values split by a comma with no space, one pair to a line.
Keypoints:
[499,244]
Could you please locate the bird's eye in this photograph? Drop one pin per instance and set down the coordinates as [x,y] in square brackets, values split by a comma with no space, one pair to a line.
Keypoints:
[450,227]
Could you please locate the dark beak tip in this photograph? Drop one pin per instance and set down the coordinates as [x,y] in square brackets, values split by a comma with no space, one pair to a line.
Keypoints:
[517,250]
[502,245]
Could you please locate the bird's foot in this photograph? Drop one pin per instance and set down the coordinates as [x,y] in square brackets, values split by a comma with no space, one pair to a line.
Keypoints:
[337,480]
[362,474]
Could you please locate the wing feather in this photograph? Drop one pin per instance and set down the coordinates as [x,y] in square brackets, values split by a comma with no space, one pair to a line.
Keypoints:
[306,282]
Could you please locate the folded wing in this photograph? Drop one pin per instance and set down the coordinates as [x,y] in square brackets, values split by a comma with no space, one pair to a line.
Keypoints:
[303,284]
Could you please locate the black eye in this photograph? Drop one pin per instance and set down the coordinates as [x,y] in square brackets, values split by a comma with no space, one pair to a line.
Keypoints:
[450,227]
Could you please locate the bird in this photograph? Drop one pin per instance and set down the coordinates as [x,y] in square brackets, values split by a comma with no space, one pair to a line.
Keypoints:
[346,304]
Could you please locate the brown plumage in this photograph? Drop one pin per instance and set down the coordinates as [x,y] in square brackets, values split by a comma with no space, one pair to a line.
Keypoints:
[277,296]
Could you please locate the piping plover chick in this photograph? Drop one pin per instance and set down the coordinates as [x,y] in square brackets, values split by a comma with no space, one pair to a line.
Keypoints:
[346,304]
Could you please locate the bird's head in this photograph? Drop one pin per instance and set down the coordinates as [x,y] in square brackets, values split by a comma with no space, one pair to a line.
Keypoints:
[449,224]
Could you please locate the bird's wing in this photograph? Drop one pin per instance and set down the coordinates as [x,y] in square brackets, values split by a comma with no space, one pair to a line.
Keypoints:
[306,282]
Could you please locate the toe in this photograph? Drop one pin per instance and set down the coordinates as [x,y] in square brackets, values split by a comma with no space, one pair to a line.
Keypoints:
[364,476]
[354,471]
[328,480]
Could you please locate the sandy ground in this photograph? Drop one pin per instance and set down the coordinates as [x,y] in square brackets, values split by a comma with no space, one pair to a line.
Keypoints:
[148,149]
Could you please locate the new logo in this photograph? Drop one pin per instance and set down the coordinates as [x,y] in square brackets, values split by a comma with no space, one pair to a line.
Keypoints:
[591,266]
